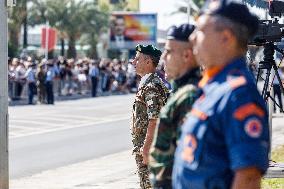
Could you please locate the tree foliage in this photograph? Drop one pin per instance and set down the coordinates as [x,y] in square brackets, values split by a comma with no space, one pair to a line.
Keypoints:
[195,4]
[16,16]
[72,19]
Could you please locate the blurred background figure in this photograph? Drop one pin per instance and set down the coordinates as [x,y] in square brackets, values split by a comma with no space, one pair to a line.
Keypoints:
[277,90]
[20,79]
[30,76]
[50,74]
[41,77]
[94,74]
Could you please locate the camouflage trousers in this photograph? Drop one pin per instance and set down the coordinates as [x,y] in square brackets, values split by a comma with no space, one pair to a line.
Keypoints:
[143,172]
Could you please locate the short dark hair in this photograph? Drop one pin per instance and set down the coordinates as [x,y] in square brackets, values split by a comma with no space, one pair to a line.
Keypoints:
[240,31]
[155,60]
[119,17]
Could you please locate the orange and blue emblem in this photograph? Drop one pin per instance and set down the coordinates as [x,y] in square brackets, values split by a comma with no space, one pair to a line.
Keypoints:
[253,128]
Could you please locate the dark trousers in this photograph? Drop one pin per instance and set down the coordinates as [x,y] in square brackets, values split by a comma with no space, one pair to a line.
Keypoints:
[94,86]
[277,94]
[49,92]
[31,91]
[41,93]
[19,89]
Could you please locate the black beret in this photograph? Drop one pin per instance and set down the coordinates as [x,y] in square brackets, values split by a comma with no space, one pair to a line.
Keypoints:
[238,13]
[149,50]
[180,33]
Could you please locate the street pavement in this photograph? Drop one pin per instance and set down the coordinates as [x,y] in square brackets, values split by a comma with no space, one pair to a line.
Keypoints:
[277,130]
[39,119]
[116,170]
[45,137]
[24,98]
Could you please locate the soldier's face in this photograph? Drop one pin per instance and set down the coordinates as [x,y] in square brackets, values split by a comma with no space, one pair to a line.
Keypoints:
[140,63]
[206,41]
[172,57]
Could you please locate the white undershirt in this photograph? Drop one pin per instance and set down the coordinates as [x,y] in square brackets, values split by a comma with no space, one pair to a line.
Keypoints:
[143,80]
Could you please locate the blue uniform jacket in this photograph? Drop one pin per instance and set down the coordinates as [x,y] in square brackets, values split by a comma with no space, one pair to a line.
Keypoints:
[226,130]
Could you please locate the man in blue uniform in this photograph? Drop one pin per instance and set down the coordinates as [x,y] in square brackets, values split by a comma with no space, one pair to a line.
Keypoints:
[225,139]
[183,72]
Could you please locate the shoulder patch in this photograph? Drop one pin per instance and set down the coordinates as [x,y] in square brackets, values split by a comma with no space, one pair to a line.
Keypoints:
[247,110]
[253,128]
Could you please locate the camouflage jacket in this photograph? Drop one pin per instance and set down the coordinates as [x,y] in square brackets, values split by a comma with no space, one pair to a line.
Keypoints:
[168,131]
[149,99]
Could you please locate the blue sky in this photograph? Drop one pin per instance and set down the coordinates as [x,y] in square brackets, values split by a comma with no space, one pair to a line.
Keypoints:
[165,7]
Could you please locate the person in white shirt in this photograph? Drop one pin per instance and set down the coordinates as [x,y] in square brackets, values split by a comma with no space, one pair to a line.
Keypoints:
[20,79]
[50,74]
[94,74]
[30,76]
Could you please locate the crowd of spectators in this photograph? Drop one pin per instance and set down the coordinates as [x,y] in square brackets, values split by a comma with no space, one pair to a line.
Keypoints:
[45,79]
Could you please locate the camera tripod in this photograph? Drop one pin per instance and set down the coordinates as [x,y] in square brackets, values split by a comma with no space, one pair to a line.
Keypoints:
[267,64]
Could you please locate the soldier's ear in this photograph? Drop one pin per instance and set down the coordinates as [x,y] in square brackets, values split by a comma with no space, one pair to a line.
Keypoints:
[187,54]
[227,37]
[148,60]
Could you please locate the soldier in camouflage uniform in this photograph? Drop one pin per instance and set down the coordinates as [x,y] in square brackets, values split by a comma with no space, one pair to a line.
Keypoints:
[183,72]
[149,99]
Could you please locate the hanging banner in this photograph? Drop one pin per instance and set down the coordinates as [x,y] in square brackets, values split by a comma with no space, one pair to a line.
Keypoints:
[129,29]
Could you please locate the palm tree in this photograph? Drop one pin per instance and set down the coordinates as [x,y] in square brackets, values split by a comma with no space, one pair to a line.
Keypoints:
[72,18]
[195,5]
[16,17]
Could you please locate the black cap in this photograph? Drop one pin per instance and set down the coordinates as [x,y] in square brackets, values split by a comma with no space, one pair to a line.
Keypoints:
[238,13]
[180,33]
[149,50]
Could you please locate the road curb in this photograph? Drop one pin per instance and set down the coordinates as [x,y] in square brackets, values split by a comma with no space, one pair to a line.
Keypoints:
[108,172]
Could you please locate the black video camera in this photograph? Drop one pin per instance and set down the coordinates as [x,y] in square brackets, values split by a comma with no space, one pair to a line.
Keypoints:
[270,31]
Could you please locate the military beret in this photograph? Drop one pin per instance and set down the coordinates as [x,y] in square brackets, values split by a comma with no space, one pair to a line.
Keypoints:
[238,13]
[180,33]
[149,50]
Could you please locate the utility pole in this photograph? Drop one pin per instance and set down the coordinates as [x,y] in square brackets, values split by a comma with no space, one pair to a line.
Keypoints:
[25,26]
[4,160]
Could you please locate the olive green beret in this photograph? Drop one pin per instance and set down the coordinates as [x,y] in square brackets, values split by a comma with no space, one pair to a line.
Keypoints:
[149,50]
